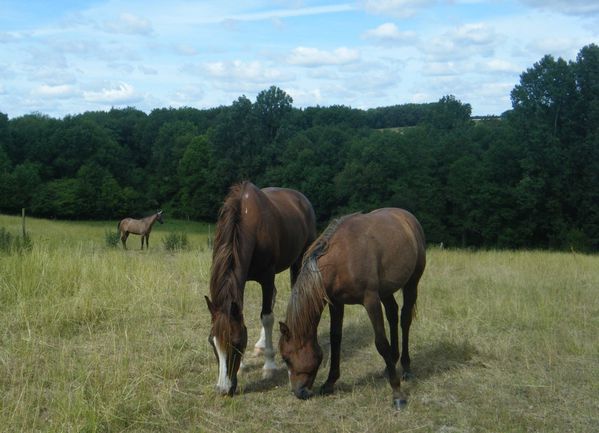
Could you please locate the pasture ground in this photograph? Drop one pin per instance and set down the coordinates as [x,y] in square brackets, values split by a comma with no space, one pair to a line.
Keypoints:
[97,339]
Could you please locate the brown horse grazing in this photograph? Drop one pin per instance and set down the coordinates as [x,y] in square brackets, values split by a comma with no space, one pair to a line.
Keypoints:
[141,227]
[359,259]
[259,233]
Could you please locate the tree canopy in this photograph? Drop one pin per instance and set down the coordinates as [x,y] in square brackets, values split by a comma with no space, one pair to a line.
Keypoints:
[529,178]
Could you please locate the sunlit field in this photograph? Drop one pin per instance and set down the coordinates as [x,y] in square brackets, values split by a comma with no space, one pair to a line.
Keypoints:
[97,339]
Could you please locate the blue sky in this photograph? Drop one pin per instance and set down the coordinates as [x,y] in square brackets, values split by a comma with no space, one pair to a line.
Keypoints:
[66,57]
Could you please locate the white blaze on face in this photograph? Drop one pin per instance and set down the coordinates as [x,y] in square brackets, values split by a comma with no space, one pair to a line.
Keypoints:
[224,383]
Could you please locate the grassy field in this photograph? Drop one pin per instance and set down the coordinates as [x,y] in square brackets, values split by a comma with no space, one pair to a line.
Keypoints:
[97,339]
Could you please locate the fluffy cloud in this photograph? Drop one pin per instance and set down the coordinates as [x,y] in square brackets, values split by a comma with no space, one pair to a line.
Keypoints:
[255,71]
[54,91]
[389,32]
[478,34]
[396,8]
[500,65]
[128,24]
[311,57]
[570,7]
[462,42]
[119,93]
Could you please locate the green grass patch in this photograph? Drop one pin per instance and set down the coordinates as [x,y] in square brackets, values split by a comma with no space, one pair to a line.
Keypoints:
[103,339]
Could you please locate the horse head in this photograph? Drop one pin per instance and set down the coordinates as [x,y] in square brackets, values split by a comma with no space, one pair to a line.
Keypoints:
[159,217]
[303,358]
[228,337]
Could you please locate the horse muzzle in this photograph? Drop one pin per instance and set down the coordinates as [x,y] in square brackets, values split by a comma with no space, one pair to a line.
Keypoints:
[303,393]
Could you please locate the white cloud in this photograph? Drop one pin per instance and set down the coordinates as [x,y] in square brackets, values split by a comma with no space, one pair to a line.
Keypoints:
[120,93]
[571,7]
[55,91]
[254,71]
[307,56]
[7,37]
[305,97]
[442,68]
[556,46]
[477,33]
[396,8]
[389,32]
[186,50]
[128,24]
[501,65]
[147,70]
[462,42]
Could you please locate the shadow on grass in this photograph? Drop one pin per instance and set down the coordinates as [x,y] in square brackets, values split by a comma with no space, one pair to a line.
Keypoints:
[279,378]
[431,359]
[434,359]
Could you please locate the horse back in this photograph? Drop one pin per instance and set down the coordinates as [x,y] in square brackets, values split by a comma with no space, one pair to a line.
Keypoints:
[131,225]
[283,224]
[379,251]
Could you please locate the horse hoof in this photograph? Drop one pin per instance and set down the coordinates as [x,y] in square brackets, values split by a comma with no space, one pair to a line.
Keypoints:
[400,403]
[326,389]
[408,375]
[268,374]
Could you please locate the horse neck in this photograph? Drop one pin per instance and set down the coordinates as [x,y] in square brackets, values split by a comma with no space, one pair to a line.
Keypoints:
[152,219]
[308,298]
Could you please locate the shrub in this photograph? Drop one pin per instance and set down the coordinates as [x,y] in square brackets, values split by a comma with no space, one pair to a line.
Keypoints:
[175,241]
[111,238]
[10,243]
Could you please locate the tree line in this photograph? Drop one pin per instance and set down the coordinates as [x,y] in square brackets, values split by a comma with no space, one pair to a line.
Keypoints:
[526,179]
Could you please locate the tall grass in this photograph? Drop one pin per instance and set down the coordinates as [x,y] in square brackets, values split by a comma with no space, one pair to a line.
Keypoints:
[101,339]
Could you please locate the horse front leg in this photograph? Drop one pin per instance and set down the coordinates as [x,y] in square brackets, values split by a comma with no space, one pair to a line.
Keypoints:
[267,318]
[375,313]
[336,332]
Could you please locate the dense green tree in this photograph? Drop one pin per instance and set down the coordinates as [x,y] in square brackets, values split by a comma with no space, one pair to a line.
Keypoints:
[529,178]
[200,184]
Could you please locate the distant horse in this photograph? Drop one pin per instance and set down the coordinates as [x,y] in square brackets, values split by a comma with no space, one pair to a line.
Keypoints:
[141,227]
[359,259]
[259,233]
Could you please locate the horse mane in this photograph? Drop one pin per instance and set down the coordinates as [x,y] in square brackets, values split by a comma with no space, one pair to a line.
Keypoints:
[308,294]
[225,253]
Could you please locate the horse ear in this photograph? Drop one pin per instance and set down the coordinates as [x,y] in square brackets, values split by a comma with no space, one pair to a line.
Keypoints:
[210,305]
[284,330]
[236,311]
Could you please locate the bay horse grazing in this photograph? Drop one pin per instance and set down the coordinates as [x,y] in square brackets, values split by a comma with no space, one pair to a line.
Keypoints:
[141,227]
[259,233]
[359,259]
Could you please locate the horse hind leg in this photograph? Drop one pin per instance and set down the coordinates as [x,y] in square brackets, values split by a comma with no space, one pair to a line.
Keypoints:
[375,313]
[392,314]
[124,236]
[410,294]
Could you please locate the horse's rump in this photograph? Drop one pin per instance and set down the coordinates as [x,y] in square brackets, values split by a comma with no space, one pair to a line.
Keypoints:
[381,250]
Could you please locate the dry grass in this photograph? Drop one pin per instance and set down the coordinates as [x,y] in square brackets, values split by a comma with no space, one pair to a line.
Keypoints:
[101,340]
